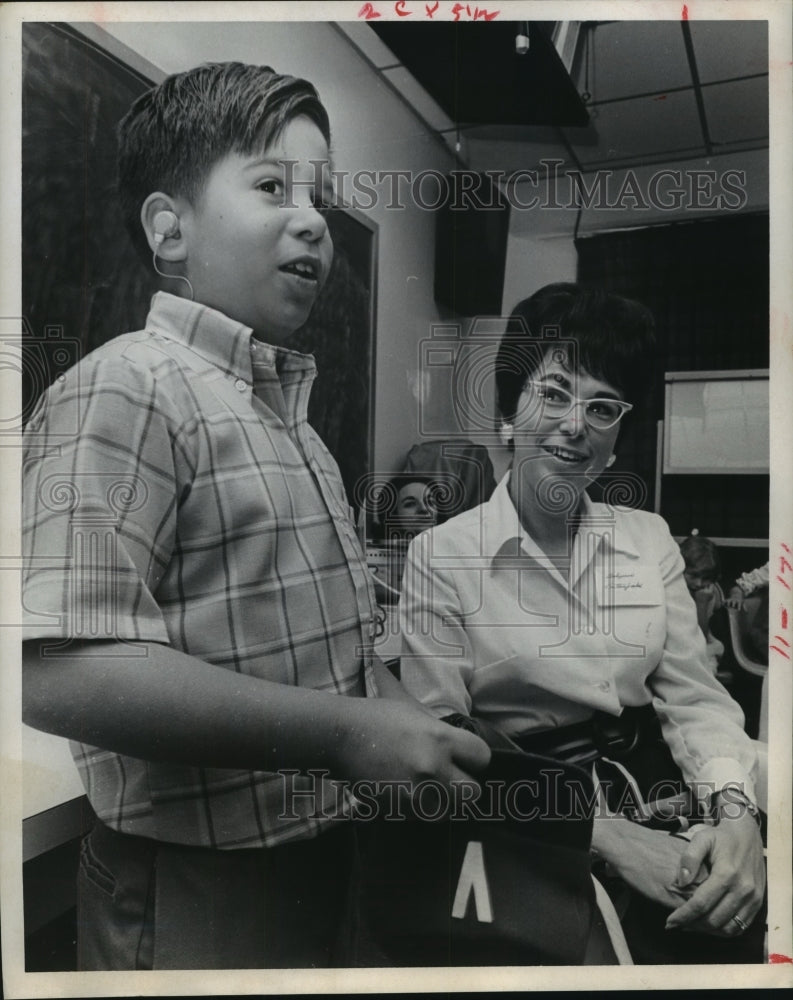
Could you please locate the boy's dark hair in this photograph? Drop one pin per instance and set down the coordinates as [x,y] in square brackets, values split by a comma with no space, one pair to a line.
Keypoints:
[176,132]
[614,338]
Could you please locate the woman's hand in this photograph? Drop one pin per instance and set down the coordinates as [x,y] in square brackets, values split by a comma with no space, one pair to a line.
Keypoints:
[734,888]
[735,598]
[648,860]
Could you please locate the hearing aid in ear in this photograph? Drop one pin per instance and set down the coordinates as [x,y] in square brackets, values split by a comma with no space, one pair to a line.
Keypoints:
[166,224]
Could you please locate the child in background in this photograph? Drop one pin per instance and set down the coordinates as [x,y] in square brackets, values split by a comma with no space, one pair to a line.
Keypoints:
[702,571]
[408,506]
[405,508]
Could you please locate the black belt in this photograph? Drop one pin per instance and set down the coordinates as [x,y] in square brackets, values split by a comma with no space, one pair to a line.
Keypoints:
[633,739]
[613,736]
[603,735]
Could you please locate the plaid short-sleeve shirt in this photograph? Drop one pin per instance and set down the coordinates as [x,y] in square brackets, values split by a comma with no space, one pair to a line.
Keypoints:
[174,492]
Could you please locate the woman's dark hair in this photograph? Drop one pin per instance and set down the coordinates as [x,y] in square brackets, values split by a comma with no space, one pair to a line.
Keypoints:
[609,337]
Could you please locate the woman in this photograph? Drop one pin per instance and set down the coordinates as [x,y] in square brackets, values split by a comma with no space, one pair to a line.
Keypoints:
[540,611]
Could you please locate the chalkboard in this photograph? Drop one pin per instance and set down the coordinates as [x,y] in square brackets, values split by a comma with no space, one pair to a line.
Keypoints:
[716,422]
[82,281]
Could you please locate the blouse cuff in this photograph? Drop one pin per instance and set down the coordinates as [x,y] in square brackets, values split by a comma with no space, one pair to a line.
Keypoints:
[719,773]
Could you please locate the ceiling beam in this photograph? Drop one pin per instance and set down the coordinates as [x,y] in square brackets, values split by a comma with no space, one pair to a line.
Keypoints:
[692,65]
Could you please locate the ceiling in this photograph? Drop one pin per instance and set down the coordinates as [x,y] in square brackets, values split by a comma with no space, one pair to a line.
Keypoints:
[659,92]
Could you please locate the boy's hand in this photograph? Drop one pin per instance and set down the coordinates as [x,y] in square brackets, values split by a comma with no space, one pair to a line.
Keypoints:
[386,740]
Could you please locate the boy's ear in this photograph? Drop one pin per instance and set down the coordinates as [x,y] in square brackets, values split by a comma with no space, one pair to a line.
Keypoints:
[159,216]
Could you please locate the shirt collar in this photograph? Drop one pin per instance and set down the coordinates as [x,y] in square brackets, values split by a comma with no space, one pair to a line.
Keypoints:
[219,340]
[502,532]
[504,536]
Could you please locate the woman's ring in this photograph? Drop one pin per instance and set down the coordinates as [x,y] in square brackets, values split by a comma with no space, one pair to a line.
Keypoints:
[737,920]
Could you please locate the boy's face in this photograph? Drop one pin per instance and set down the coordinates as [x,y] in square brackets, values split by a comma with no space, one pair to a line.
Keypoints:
[258,249]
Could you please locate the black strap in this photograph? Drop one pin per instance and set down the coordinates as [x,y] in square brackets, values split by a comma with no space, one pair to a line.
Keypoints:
[633,738]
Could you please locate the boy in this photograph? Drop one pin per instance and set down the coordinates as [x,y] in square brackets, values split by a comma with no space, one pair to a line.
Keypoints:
[188,542]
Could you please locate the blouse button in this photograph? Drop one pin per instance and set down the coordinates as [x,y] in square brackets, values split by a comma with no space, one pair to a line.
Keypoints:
[604,686]
[241,384]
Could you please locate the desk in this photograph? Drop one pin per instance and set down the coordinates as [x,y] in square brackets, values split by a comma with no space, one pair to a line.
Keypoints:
[54,808]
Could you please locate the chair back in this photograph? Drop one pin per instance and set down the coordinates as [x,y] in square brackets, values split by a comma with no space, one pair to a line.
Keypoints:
[741,621]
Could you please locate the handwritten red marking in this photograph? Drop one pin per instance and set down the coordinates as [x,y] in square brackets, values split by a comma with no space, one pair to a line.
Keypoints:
[661,97]
[685,12]
[785,547]
[477,13]
[783,582]
[368,12]
[775,959]
[780,651]
[778,638]
[399,8]
[784,618]
[784,564]
[431,11]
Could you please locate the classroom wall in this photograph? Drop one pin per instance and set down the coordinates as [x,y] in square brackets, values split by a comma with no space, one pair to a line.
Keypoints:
[372,129]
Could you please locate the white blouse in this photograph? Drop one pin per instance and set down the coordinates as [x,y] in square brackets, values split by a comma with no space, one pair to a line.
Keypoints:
[490,627]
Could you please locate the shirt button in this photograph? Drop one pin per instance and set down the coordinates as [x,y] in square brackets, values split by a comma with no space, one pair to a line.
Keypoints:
[604,686]
[241,384]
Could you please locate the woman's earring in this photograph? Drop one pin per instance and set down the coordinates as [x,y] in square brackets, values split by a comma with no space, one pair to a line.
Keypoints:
[506,432]
[611,460]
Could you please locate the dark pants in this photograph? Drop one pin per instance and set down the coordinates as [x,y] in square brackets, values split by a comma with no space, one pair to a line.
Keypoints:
[143,904]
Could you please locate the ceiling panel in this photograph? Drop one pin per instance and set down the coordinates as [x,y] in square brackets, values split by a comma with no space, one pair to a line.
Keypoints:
[737,111]
[643,103]
[466,64]
[644,126]
[726,49]
[635,57]
[510,156]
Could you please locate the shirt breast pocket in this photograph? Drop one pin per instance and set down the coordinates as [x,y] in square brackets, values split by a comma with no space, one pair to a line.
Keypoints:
[634,586]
